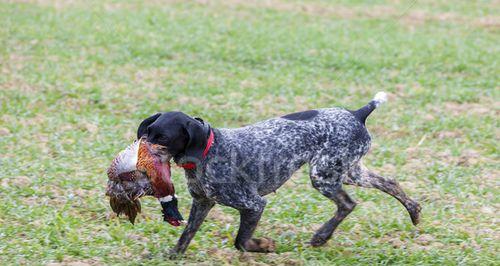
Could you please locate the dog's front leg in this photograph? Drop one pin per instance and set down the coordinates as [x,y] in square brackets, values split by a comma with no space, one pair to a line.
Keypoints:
[249,218]
[198,213]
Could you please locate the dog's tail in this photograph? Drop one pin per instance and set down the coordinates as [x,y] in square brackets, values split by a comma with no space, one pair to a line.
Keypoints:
[362,113]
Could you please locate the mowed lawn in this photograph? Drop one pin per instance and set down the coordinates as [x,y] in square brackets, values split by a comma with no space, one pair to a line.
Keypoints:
[77,77]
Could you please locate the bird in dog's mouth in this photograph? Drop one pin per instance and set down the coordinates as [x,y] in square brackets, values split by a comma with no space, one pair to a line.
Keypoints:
[138,171]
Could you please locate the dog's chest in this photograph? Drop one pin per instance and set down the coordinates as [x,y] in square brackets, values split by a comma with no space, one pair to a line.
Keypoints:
[200,185]
[194,185]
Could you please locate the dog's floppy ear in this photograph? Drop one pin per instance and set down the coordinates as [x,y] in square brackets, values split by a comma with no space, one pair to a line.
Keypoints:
[144,125]
[197,140]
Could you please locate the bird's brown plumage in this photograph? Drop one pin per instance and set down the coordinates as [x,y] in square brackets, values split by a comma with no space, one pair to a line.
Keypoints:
[158,172]
[134,173]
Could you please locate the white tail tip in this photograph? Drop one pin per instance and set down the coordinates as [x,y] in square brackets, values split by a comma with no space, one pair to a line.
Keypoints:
[380,97]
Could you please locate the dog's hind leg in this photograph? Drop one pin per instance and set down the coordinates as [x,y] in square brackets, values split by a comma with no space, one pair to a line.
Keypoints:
[329,184]
[362,177]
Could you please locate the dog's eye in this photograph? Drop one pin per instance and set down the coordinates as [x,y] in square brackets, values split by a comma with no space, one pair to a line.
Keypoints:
[163,138]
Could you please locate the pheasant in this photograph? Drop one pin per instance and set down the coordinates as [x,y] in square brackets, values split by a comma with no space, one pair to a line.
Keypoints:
[136,172]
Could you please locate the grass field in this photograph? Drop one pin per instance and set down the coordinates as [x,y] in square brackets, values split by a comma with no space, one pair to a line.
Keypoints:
[77,77]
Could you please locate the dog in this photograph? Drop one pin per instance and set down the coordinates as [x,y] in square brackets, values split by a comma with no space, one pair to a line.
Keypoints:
[238,167]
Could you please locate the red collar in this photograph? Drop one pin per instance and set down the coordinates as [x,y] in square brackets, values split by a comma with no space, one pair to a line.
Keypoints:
[191,165]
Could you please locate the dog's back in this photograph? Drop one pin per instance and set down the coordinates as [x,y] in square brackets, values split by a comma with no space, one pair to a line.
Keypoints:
[269,152]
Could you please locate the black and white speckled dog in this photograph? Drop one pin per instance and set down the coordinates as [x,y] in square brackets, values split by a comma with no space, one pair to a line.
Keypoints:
[238,167]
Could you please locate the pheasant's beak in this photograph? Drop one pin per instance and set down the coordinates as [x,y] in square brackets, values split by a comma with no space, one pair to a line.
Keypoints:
[154,159]
[171,213]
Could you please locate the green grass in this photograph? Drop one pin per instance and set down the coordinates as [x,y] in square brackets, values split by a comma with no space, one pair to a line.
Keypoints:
[76,79]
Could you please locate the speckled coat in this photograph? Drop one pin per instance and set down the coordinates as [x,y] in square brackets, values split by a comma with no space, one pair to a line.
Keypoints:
[253,161]
[245,164]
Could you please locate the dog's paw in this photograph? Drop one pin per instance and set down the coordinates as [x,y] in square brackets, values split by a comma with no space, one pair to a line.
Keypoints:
[263,244]
[173,254]
[318,241]
[414,211]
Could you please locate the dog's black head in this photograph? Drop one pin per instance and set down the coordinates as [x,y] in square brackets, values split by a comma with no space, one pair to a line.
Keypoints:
[175,134]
